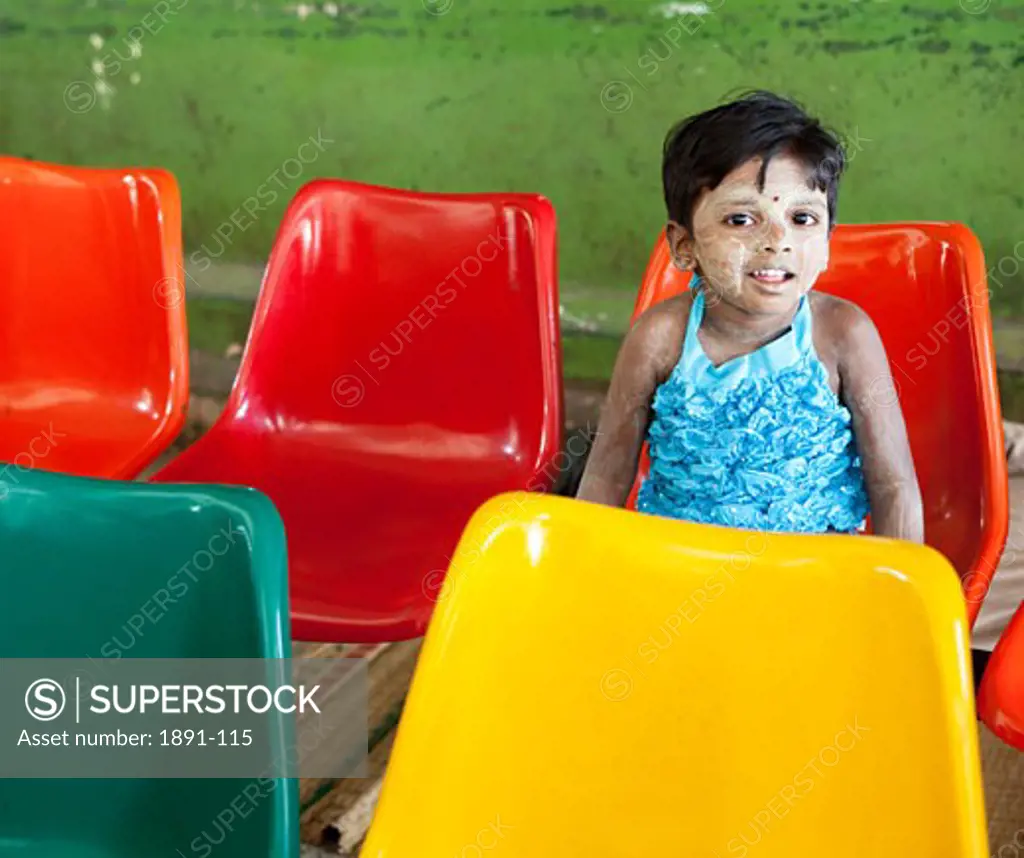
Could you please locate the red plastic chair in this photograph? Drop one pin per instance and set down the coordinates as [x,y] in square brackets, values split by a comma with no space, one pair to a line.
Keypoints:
[1001,696]
[93,340]
[403,367]
[924,285]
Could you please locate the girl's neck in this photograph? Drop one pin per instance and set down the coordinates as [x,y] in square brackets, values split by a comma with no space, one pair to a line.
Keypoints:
[730,323]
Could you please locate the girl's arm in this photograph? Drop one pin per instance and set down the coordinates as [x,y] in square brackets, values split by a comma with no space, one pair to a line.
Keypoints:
[647,354]
[868,391]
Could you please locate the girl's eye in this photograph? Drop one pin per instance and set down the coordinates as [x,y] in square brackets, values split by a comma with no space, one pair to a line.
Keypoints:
[804,219]
[739,220]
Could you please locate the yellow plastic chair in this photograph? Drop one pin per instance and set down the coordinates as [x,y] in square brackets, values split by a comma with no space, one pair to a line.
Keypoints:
[601,684]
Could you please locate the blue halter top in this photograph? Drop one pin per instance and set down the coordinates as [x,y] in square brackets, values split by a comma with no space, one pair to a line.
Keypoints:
[759,442]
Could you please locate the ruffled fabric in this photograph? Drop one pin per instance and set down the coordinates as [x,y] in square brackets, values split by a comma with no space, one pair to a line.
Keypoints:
[768,452]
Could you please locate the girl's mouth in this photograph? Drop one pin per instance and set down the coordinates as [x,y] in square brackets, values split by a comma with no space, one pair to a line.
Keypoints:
[772,275]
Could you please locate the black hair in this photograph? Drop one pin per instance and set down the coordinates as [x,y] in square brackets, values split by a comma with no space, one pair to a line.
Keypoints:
[703,149]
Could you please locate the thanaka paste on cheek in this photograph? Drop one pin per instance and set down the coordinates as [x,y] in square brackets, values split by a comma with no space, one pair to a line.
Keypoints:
[739,227]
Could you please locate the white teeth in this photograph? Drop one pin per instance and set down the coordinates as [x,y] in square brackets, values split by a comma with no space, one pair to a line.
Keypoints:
[770,272]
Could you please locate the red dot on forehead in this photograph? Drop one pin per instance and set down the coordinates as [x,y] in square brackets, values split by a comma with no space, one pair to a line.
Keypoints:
[775,199]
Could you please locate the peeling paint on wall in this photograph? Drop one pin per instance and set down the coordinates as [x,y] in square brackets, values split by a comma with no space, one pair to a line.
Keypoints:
[497,95]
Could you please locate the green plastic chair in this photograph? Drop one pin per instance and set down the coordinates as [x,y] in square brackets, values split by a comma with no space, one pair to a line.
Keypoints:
[80,558]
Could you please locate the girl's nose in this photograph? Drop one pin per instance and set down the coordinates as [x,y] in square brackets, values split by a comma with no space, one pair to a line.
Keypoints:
[776,237]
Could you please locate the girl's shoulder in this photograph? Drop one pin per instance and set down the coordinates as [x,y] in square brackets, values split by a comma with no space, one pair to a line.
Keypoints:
[835,322]
[661,329]
[830,310]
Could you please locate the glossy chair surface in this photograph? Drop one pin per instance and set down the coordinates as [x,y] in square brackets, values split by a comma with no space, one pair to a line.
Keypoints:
[93,340]
[403,366]
[1001,696]
[603,684]
[104,570]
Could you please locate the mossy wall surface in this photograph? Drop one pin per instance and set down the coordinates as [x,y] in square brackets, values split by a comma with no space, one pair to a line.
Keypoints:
[571,101]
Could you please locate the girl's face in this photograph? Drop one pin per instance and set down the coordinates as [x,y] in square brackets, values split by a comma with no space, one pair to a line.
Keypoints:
[758,250]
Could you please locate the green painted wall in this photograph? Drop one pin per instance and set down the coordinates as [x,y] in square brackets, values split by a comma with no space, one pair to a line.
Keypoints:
[507,94]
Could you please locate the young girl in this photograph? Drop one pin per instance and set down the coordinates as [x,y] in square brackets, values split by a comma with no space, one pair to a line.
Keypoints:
[765,405]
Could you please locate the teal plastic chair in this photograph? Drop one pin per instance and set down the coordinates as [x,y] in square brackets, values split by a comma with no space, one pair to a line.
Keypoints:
[80,558]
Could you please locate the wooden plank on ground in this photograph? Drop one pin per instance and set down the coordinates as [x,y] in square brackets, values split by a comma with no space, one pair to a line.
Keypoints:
[329,666]
[390,672]
[340,820]
[353,827]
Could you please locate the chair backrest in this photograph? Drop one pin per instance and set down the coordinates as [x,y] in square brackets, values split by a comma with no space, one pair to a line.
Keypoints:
[102,569]
[432,314]
[925,287]
[93,342]
[1001,696]
[599,683]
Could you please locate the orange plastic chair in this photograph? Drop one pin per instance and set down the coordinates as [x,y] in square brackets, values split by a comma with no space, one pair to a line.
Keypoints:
[925,287]
[403,366]
[601,684]
[1001,696]
[93,340]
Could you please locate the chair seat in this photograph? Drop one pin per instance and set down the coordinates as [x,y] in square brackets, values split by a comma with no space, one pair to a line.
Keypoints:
[75,430]
[608,684]
[93,341]
[380,552]
[1001,696]
[376,548]
[111,570]
[402,368]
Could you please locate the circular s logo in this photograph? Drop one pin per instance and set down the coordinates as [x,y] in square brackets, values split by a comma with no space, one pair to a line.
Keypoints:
[616,96]
[79,96]
[348,391]
[616,684]
[168,293]
[45,700]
